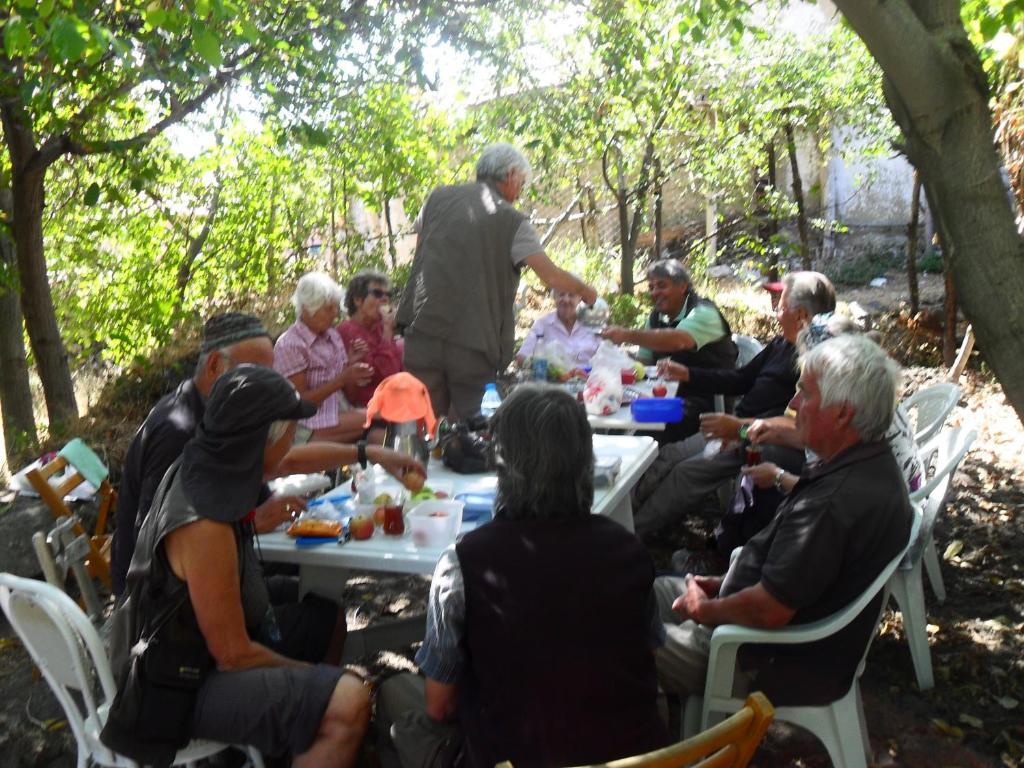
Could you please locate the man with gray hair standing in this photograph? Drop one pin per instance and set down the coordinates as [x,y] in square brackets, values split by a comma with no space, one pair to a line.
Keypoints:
[846,518]
[457,308]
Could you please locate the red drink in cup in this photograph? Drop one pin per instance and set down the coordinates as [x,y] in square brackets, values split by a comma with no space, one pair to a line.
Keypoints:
[394,523]
[753,455]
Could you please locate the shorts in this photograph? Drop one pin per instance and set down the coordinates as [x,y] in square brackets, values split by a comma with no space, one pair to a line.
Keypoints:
[275,709]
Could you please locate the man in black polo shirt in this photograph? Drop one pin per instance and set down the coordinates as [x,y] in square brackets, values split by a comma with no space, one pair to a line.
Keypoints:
[685,328]
[682,476]
[847,517]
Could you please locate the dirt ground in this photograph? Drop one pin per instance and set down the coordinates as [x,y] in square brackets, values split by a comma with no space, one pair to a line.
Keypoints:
[973,717]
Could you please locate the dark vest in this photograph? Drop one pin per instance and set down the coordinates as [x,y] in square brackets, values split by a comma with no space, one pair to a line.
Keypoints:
[463,283]
[717,354]
[558,640]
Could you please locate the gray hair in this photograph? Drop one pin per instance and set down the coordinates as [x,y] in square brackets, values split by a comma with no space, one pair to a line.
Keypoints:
[313,290]
[670,269]
[544,451]
[810,291]
[498,159]
[854,370]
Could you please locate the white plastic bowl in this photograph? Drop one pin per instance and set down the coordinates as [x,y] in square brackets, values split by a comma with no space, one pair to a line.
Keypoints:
[435,523]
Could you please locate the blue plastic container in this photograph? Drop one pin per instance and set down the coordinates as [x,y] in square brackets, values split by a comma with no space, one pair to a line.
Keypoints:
[477,507]
[657,409]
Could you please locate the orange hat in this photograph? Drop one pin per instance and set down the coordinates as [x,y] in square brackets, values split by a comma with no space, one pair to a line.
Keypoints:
[401,397]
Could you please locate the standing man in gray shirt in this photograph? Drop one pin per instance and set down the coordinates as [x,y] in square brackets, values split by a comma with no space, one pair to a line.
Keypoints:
[457,308]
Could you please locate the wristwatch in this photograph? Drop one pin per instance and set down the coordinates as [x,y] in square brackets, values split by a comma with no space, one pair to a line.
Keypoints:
[778,480]
[361,453]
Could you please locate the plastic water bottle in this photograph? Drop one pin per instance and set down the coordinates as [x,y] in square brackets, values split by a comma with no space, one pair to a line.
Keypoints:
[540,360]
[491,400]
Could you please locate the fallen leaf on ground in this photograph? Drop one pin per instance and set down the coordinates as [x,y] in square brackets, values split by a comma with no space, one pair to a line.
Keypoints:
[972,721]
[955,547]
[1007,702]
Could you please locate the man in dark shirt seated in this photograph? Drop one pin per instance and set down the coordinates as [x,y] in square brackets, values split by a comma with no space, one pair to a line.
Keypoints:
[685,328]
[846,518]
[686,471]
[521,660]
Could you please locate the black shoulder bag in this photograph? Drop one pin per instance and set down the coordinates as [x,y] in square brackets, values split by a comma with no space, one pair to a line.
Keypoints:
[150,718]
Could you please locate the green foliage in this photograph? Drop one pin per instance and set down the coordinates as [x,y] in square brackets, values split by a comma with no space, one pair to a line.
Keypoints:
[862,269]
[931,262]
[628,310]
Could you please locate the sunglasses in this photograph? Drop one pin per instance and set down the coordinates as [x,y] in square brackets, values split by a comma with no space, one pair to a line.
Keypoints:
[379,293]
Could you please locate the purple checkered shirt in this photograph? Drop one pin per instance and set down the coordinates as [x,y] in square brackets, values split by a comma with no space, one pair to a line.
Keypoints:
[321,357]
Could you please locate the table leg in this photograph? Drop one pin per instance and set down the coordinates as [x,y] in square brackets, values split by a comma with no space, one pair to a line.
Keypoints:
[622,513]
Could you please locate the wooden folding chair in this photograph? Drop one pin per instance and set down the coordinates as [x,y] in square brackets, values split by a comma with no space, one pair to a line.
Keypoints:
[730,744]
[52,486]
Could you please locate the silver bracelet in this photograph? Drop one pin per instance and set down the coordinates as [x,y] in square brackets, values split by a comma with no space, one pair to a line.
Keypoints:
[779,473]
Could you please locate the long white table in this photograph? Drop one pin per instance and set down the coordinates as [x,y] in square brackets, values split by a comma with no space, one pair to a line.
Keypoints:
[319,565]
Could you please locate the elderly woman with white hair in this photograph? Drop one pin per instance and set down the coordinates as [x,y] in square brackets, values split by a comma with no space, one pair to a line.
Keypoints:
[456,311]
[311,354]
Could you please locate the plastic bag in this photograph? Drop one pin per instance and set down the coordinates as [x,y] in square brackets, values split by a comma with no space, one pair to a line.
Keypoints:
[610,356]
[602,396]
[560,361]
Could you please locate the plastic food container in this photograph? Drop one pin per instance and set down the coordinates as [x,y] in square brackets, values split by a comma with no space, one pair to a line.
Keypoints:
[657,409]
[435,523]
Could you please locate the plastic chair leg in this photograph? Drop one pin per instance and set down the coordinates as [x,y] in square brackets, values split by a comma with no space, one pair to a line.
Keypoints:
[838,727]
[931,564]
[908,591]
[692,708]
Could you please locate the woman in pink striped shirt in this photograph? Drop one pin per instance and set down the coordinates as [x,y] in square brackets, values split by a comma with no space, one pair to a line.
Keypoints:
[311,355]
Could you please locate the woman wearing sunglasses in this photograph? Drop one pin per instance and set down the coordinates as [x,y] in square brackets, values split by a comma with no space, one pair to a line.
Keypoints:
[372,320]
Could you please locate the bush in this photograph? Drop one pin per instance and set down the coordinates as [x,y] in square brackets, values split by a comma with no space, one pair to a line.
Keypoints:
[862,269]
[931,262]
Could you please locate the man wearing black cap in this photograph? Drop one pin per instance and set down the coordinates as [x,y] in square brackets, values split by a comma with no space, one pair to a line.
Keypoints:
[195,573]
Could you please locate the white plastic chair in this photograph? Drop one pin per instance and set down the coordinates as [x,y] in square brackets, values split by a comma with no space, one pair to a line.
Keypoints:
[840,725]
[67,649]
[932,405]
[748,347]
[907,582]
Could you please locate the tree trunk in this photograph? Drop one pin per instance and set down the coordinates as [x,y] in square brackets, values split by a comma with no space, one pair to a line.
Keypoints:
[391,234]
[196,244]
[768,226]
[915,208]
[334,228]
[937,92]
[37,302]
[591,219]
[15,394]
[949,323]
[798,196]
[658,245]
[626,262]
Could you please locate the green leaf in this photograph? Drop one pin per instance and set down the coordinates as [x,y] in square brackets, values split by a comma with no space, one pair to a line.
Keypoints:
[17,37]
[155,15]
[66,36]
[92,194]
[207,45]
[45,8]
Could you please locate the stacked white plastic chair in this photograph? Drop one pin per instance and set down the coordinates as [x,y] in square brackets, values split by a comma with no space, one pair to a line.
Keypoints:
[65,646]
[930,407]
[839,725]
[947,451]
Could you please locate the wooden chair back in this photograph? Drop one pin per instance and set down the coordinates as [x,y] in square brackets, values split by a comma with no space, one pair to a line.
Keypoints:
[729,744]
[52,486]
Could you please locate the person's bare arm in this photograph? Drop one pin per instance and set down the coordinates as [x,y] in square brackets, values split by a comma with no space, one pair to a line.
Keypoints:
[654,339]
[442,699]
[319,456]
[750,607]
[203,555]
[559,279]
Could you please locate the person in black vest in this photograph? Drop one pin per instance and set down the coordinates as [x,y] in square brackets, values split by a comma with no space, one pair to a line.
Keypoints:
[685,328]
[540,625]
